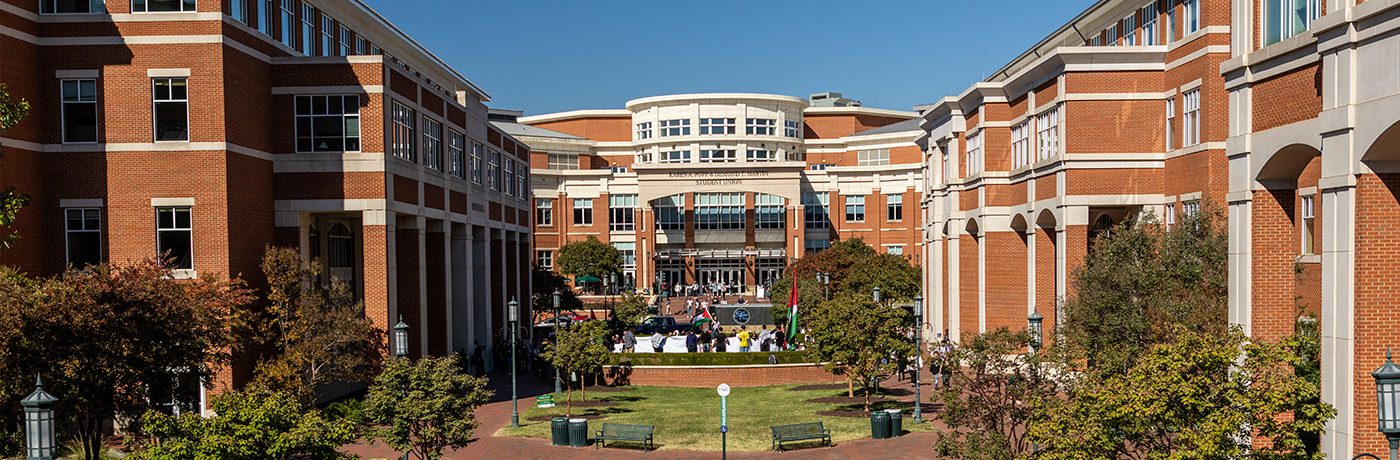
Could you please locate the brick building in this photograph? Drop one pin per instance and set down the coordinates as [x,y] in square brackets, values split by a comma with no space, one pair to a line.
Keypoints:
[702,188]
[209,129]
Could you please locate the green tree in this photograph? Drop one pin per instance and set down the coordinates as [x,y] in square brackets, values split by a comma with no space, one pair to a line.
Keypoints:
[1189,398]
[859,339]
[630,310]
[589,257]
[545,283]
[579,349]
[113,341]
[424,406]
[319,333]
[990,398]
[250,425]
[11,112]
[897,279]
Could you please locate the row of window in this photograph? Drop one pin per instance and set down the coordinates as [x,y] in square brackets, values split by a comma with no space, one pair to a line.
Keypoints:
[715,211]
[174,236]
[100,6]
[718,126]
[544,258]
[501,172]
[1128,30]
[710,156]
[279,19]
[170,116]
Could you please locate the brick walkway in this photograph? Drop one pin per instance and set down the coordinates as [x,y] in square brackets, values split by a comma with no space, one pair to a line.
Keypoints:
[496,415]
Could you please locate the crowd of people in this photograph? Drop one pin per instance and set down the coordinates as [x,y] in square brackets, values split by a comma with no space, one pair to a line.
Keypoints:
[710,338]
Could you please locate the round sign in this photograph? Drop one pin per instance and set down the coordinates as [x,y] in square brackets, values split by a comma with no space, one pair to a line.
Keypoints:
[741,315]
[723,389]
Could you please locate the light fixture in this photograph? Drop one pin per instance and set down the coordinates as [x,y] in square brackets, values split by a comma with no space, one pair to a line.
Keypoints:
[39,439]
[401,338]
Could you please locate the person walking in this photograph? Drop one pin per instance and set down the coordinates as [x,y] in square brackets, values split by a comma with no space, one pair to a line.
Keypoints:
[691,341]
[706,340]
[721,341]
[629,341]
[744,338]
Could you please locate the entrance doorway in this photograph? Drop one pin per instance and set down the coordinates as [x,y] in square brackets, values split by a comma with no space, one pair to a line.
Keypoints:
[727,271]
[769,271]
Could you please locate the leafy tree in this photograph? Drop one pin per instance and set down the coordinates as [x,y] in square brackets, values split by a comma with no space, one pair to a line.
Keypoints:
[1192,397]
[1139,281]
[898,280]
[859,339]
[424,406]
[630,310]
[11,112]
[580,349]
[112,340]
[545,283]
[990,398]
[251,425]
[589,257]
[320,333]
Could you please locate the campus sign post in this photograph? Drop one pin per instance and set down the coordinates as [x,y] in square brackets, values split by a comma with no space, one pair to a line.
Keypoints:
[723,391]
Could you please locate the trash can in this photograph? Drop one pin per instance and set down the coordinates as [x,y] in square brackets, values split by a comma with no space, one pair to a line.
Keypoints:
[880,424]
[559,431]
[896,423]
[578,432]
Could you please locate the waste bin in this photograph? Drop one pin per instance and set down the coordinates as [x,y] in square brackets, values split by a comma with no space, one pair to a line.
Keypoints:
[578,432]
[880,424]
[559,431]
[896,423]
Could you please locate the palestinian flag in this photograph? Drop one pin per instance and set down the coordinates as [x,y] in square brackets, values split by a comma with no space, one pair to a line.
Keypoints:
[704,317]
[792,315]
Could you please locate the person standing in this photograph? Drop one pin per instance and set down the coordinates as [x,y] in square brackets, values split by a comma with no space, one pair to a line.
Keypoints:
[691,341]
[705,340]
[721,341]
[658,342]
[743,338]
[629,341]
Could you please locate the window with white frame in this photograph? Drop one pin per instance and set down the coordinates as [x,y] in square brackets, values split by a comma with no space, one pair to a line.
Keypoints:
[583,211]
[974,154]
[508,176]
[344,41]
[622,213]
[457,145]
[563,161]
[792,128]
[1288,18]
[1191,118]
[762,126]
[1048,133]
[1097,40]
[544,259]
[83,234]
[675,156]
[768,211]
[1170,7]
[99,6]
[1149,24]
[947,162]
[1191,208]
[328,123]
[493,170]
[873,157]
[403,138]
[175,237]
[761,155]
[308,29]
[894,207]
[716,126]
[816,210]
[628,251]
[361,46]
[719,211]
[327,37]
[643,130]
[855,208]
[1021,145]
[432,143]
[79,111]
[618,169]
[1112,35]
[1191,15]
[522,179]
[1171,123]
[1306,203]
[670,212]
[1169,215]
[287,11]
[895,250]
[1130,30]
[171,107]
[477,151]
[719,156]
[264,9]
[676,127]
[162,6]
[544,212]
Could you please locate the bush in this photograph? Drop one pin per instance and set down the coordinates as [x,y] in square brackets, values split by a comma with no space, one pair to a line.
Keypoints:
[705,359]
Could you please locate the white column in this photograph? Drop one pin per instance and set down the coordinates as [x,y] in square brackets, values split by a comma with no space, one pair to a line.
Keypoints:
[1030,268]
[1338,311]
[421,226]
[1240,261]
[982,279]
[954,281]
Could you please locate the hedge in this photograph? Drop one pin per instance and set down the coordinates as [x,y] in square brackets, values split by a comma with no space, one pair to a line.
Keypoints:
[706,359]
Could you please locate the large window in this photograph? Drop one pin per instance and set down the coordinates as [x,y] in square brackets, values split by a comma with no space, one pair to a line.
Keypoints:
[761,155]
[1171,21]
[544,212]
[327,35]
[493,170]
[873,157]
[894,207]
[544,259]
[762,126]
[432,143]
[855,208]
[714,126]
[1191,118]
[675,156]
[1149,24]
[768,211]
[171,109]
[583,211]
[79,111]
[287,11]
[83,232]
[677,127]
[1111,35]
[1191,208]
[264,10]
[815,245]
[718,156]
[1130,30]
[974,154]
[1288,18]
[792,128]
[81,6]
[161,6]
[508,174]
[1169,215]
[308,29]
[1021,145]
[643,130]
[719,211]
[477,151]
[328,123]
[670,212]
[563,161]
[344,41]
[1191,15]
[1171,123]
[403,142]
[816,210]
[1306,203]
[175,237]
[628,250]
[457,145]
[1048,133]
[622,213]
[947,163]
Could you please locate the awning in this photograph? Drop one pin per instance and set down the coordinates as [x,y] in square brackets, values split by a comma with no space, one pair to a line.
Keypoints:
[586,279]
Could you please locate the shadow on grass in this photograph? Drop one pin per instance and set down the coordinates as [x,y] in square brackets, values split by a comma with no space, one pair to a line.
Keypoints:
[621,398]
[591,413]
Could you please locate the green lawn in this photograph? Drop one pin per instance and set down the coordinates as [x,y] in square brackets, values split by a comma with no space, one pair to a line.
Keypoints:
[688,418]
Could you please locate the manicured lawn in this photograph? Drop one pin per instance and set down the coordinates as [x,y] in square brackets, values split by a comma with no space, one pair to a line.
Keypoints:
[688,418]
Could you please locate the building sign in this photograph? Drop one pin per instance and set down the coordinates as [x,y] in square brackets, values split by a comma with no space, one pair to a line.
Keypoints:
[718,177]
[741,316]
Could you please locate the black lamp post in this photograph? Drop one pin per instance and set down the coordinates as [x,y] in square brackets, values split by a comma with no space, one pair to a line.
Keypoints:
[514,308]
[825,278]
[39,442]
[919,354]
[1035,321]
[1388,403]
[557,377]
[401,351]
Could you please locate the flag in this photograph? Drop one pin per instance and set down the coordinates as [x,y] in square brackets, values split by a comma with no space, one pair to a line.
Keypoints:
[704,317]
[792,315]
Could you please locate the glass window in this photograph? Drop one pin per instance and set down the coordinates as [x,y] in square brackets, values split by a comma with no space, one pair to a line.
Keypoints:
[1111,35]
[432,143]
[327,39]
[308,29]
[1169,215]
[855,208]
[161,6]
[719,211]
[819,167]
[264,12]
[629,253]
[974,154]
[675,156]
[508,172]
[718,156]
[344,41]
[1171,20]
[328,123]
[643,130]
[89,6]
[618,169]
[1149,24]
[1191,13]
[873,157]
[361,45]
[792,128]
[477,149]
[493,170]
[1191,118]
[79,111]
[895,250]
[563,161]
[403,141]
[544,259]
[761,155]
[83,232]
[1021,145]
[816,210]
[340,248]
[583,211]
[715,126]
[894,207]
[1288,18]
[677,127]
[1171,123]
[768,211]
[289,33]
[762,126]
[544,212]
[522,180]
[1191,208]
[175,237]
[1309,243]
[670,213]
[1130,31]
[622,213]
[815,245]
[457,145]
[171,109]
[1048,133]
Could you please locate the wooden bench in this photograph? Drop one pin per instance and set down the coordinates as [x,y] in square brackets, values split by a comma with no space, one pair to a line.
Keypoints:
[622,432]
[800,432]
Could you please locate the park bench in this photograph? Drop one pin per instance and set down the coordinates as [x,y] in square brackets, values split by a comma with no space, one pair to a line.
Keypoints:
[622,432]
[800,432]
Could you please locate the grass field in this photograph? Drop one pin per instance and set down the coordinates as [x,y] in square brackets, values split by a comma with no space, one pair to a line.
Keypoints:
[688,418]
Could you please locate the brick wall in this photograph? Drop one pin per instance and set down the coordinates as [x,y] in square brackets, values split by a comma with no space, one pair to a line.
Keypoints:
[1288,98]
[1272,252]
[1377,248]
[1006,280]
[967,285]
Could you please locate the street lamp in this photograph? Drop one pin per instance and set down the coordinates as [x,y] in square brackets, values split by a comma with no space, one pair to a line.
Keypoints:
[1035,321]
[557,377]
[514,308]
[1388,403]
[875,294]
[918,355]
[825,279]
[39,441]
[400,338]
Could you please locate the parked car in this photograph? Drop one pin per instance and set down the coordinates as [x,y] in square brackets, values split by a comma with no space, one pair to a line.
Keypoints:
[661,324]
[564,321]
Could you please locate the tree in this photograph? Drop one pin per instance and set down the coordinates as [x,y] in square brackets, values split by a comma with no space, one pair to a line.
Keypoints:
[1191,397]
[858,338]
[578,349]
[11,112]
[250,425]
[545,283]
[114,341]
[425,406]
[1139,281]
[897,279]
[320,333]
[630,311]
[589,257]
[989,400]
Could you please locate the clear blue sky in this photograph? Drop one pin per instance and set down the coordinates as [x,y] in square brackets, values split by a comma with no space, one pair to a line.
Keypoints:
[549,56]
